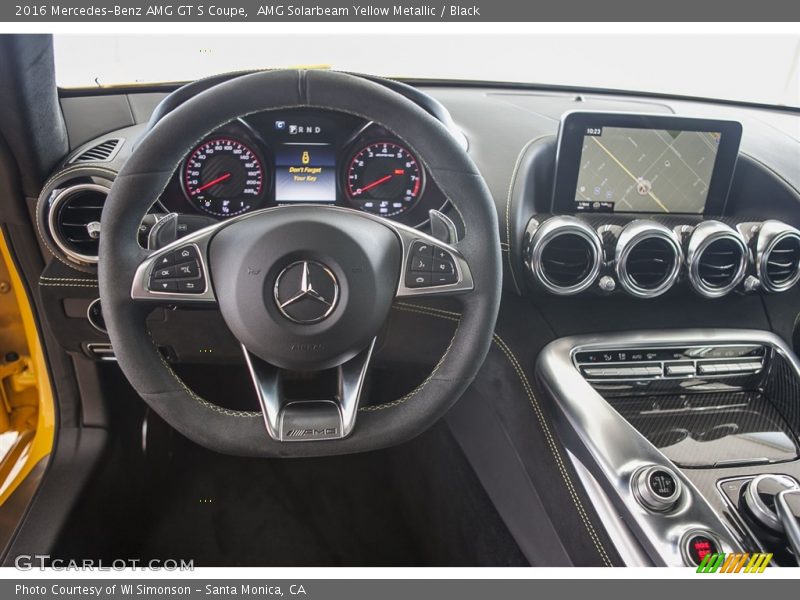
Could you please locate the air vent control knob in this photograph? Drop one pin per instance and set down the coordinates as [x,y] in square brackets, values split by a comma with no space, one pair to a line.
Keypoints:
[607,283]
[751,283]
[93,229]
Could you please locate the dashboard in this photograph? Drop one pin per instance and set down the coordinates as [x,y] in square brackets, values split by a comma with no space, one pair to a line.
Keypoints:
[597,196]
[302,156]
[702,234]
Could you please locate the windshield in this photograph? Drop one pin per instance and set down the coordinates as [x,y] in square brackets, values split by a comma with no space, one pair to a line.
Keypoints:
[752,68]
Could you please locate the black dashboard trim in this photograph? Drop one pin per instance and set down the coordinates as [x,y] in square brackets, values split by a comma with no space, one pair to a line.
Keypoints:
[166,87]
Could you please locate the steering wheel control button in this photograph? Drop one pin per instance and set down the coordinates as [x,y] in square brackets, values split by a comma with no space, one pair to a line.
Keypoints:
[186,253]
[421,249]
[697,545]
[188,270]
[444,278]
[418,280]
[759,499]
[442,254]
[178,271]
[443,266]
[656,488]
[421,264]
[165,260]
[190,287]
[164,286]
[306,292]
[430,266]
[164,273]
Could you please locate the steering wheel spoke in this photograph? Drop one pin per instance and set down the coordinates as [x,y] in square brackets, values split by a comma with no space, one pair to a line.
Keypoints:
[303,420]
[177,273]
[431,267]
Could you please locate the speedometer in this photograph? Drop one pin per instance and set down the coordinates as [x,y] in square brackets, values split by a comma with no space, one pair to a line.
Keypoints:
[224,177]
[384,178]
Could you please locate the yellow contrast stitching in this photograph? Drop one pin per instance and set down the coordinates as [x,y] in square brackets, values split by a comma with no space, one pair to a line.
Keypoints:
[419,388]
[205,403]
[540,416]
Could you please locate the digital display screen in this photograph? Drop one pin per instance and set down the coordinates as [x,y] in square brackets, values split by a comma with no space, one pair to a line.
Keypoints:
[305,172]
[642,170]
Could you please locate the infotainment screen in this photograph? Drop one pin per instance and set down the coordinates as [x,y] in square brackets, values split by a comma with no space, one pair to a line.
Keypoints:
[614,162]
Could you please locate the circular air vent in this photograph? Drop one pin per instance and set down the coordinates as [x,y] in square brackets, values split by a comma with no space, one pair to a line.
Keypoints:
[778,253]
[717,259]
[565,255]
[648,258]
[74,220]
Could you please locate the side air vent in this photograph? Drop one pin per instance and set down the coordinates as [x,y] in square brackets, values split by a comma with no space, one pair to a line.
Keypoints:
[717,259]
[778,256]
[565,255]
[648,258]
[74,220]
[102,152]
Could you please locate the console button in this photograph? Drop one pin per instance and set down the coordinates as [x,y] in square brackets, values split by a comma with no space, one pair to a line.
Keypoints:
[680,370]
[759,498]
[95,315]
[697,546]
[663,484]
[656,488]
[708,369]
[593,372]
[625,372]
[745,367]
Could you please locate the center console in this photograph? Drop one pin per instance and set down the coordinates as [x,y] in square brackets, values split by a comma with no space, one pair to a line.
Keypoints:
[687,438]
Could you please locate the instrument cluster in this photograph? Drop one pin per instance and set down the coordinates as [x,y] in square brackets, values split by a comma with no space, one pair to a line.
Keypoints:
[302,156]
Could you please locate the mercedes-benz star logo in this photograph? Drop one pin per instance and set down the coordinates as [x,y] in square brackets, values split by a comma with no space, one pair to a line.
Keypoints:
[306,292]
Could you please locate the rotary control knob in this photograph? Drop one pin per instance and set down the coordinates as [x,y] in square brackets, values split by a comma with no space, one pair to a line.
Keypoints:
[759,498]
[657,488]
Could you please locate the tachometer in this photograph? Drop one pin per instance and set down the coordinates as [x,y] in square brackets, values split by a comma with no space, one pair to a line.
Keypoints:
[224,177]
[384,178]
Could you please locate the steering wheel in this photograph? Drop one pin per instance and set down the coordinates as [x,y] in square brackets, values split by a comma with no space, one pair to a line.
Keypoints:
[302,288]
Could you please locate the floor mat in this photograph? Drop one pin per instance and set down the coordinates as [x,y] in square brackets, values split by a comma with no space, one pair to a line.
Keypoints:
[226,511]
[418,504]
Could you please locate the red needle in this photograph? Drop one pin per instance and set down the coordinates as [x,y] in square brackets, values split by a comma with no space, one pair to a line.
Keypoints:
[213,182]
[375,183]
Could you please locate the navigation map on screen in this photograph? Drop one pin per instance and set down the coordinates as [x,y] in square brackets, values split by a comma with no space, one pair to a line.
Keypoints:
[645,170]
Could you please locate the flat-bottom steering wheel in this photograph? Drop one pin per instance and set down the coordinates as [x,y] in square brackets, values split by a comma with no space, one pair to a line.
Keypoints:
[302,288]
